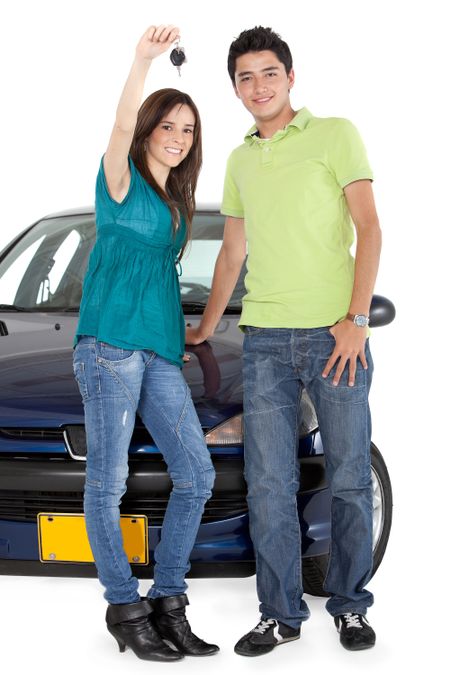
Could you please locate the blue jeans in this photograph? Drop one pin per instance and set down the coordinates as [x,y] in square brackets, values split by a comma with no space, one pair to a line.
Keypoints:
[278,364]
[116,383]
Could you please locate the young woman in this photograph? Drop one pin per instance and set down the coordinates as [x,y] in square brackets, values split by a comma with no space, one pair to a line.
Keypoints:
[129,351]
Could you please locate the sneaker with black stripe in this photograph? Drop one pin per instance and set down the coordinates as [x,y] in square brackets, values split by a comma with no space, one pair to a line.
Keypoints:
[355,631]
[269,633]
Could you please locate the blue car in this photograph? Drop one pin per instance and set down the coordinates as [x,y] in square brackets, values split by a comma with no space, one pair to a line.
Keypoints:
[42,437]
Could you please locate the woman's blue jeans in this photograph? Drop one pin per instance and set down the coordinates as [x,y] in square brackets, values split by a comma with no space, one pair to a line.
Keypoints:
[278,364]
[115,384]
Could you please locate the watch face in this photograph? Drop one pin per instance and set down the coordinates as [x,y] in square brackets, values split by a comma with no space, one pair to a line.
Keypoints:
[361,320]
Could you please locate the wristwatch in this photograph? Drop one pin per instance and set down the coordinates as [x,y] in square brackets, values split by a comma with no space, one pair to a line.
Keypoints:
[360,320]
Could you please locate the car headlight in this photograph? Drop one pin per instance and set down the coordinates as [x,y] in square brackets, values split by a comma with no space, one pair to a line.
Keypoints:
[228,433]
[231,432]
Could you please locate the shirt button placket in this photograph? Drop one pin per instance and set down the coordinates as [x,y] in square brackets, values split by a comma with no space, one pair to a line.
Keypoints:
[266,155]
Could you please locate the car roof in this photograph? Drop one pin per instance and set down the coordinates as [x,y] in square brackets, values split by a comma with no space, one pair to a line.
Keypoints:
[89,210]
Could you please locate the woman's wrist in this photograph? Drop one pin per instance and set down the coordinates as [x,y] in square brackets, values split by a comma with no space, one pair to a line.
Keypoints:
[141,63]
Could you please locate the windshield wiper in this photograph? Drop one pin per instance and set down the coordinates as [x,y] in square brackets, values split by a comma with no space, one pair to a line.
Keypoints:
[14,308]
[233,309]
[45,310]
[193,306]
[198,307]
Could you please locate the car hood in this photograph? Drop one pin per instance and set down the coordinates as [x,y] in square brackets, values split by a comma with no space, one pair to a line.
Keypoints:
[38,388]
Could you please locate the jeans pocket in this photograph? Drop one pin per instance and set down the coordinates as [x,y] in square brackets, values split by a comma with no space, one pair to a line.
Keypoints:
[112,353]
[80,376]
[252,330]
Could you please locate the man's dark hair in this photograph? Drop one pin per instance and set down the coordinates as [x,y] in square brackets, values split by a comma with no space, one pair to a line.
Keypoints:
[258,39]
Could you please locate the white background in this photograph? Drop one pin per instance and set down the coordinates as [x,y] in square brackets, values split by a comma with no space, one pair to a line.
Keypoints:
[384,66]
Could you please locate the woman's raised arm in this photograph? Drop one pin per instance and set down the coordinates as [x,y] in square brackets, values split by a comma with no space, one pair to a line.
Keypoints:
[155,41]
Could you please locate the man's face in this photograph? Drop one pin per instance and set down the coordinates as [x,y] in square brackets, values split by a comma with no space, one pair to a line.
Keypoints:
[262,84]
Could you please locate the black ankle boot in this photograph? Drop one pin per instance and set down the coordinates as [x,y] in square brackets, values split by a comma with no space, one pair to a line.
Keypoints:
[131,627]
[169,619]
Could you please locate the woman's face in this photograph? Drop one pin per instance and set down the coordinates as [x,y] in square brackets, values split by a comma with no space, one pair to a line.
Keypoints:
[170,142]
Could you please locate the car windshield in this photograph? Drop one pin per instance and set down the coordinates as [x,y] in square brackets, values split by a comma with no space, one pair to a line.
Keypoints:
[44,271]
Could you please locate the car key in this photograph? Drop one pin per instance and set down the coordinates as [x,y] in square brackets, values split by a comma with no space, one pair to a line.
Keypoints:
[178,57]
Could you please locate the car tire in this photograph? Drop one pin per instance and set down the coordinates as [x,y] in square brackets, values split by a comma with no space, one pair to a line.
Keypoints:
[315,567]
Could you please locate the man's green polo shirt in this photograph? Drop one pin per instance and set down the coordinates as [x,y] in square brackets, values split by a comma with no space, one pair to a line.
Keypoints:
[289,190]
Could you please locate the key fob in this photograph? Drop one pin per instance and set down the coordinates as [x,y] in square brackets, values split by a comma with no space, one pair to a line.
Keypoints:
[177,56]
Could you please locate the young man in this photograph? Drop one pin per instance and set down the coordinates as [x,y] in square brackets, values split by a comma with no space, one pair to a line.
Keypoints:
[291,191]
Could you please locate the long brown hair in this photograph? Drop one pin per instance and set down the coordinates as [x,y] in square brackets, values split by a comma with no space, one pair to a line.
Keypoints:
[182,180]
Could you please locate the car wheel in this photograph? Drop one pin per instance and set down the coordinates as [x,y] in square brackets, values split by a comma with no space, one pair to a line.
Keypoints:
[315,567]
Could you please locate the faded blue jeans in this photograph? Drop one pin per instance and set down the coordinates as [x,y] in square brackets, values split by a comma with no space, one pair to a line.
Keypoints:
[116,383]
[278,364]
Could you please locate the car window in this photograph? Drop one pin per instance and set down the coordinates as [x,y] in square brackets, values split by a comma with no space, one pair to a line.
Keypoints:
[199,261]
[45,269]
[16,270]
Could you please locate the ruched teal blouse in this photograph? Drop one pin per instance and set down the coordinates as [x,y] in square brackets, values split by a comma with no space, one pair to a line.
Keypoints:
[131,293]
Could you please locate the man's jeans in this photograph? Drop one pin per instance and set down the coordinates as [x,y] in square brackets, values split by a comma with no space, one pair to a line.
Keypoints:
[278,364]
[116,383]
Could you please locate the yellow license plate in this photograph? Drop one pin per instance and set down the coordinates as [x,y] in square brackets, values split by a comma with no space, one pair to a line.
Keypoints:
[63,538]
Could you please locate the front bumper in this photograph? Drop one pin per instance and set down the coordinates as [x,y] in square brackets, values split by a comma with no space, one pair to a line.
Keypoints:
[223,546]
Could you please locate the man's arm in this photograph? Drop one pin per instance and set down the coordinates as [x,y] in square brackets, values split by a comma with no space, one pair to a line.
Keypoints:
[350,339]
[226,272]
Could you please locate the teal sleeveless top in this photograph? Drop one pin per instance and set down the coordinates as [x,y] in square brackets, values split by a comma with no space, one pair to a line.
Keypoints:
[131,293]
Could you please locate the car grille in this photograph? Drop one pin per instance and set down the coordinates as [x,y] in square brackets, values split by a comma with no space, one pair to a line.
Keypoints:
[24,506]
[74,434]
[25,433]
[75,439]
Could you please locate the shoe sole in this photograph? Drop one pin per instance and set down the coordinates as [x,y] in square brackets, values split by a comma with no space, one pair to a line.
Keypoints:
[281,642]
[357,648]
[172,646]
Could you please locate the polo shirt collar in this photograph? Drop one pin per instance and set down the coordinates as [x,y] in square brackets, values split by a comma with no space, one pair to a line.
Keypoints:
[300,121]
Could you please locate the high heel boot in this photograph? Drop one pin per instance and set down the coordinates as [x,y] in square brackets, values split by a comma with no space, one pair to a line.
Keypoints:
[169,619]
[131,627]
